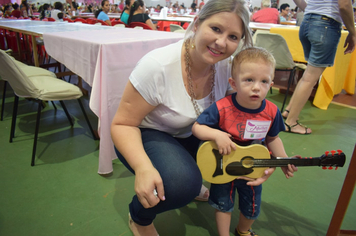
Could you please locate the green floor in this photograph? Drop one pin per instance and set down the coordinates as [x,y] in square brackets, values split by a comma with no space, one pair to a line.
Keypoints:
[64,195]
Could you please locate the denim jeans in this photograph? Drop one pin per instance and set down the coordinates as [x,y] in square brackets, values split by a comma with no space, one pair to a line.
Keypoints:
[173,158]
[319,36]
[222,197]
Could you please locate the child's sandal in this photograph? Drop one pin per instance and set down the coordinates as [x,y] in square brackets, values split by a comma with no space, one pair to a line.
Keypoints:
[249,233]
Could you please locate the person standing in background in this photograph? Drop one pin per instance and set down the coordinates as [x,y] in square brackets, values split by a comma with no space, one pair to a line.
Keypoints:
[320,19]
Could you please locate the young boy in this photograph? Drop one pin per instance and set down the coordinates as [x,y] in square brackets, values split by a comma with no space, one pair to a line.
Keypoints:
[231,118]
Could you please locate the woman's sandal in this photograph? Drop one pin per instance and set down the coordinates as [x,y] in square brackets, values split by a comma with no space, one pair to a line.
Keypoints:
[203,195]
[289,128]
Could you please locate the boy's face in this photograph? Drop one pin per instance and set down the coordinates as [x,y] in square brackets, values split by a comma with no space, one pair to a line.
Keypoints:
[252,82]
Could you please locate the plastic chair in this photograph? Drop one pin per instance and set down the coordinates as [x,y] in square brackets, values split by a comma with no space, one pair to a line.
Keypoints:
[68,20]
[40,88]
[139,24]
[174,27]
[51,19]
[115,23]
[277,45]
[81,20]
[102,22]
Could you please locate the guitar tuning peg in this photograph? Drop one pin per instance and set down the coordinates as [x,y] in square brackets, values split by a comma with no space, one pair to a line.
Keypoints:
[333,152]
[339,151]
[326,153]
[336,168]
[330,168]
[324,167]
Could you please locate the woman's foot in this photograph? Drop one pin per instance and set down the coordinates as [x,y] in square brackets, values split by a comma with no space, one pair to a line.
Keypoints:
[297,128]
[285,113]
[139,230]
[203,195]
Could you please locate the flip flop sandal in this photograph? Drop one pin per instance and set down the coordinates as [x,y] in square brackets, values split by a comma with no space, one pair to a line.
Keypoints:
[289,128]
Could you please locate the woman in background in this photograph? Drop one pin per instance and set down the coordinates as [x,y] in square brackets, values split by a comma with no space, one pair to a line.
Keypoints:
[138,14]
[101,14]
[126,12]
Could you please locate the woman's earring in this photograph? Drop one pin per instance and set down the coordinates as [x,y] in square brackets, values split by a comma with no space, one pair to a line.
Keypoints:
[192,46]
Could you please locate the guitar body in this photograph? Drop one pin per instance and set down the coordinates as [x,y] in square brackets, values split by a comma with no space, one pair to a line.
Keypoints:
[213,165]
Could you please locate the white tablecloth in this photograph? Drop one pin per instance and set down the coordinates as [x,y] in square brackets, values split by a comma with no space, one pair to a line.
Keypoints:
[105,59]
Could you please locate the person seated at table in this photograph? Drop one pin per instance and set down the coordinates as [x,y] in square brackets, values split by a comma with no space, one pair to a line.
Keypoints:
[266,14]
[60,16]
[7,11]
[285,14]
[45,11]
[300,16]
[16,12]
[126,12]
[58,7]
[138,14]
[25,9]
[101,14]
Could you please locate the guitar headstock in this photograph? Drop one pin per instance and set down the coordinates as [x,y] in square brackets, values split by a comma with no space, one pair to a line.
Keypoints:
[332,158]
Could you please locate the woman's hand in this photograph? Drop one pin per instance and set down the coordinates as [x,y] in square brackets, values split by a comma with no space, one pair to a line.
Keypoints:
[259,181]
[149,187]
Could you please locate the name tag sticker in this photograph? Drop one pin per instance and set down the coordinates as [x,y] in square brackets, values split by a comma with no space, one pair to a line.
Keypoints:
[256,129]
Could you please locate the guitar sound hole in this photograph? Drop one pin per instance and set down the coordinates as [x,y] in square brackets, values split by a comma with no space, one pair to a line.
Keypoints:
[247,162]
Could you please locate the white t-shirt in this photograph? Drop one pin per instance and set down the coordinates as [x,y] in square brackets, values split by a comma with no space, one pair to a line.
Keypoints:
[328,8]
[158,78]
[54,14]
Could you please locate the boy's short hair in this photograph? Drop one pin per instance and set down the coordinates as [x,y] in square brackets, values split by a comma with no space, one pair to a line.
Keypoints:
[252,54]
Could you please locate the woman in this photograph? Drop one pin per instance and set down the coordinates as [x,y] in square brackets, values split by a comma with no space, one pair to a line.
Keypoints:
[167,90]
[25,9]
[126,12]
[138,14]
[45,12]
[102,13]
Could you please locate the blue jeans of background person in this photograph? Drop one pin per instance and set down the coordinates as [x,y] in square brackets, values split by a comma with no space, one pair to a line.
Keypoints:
[222,197]
[319,36]
[173,158]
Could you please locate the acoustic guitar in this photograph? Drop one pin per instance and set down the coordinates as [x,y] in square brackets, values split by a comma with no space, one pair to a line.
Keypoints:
[251,161]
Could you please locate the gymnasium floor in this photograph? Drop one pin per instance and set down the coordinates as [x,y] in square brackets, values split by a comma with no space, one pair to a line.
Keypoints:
[64,195]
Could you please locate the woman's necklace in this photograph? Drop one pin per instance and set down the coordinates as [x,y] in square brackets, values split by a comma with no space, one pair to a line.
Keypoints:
[188,69]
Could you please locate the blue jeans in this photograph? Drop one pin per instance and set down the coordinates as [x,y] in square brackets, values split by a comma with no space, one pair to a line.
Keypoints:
[222,197]
[319,36]
[173,158]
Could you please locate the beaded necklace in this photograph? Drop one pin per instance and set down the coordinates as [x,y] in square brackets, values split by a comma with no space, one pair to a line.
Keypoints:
[188,70]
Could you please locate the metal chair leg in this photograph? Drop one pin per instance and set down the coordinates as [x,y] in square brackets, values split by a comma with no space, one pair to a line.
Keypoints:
[67,113]
[291,76]
[14,114]
[38,118]
[87,119]
[3,100]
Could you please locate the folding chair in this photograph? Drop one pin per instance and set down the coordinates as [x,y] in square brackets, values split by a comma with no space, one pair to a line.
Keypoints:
[40,88]
[277,45]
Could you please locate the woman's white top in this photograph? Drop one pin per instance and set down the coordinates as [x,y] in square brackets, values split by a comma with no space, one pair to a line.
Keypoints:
[158,78]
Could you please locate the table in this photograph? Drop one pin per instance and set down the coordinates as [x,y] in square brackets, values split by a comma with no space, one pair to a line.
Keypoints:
[37,28]
[340,76]
[105,59]
[268,26]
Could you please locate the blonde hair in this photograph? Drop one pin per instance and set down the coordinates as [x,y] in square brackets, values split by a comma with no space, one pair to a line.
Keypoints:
[266,3]
[217,6]
[252,54]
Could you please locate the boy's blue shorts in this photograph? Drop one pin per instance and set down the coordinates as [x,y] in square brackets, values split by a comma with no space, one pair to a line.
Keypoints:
[222,198]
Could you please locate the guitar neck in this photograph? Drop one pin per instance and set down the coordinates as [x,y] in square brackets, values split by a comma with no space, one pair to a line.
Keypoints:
[285,161]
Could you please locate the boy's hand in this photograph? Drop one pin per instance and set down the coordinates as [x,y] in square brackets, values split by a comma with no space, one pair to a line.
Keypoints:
[259,181]
[224,143]
[290,169]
